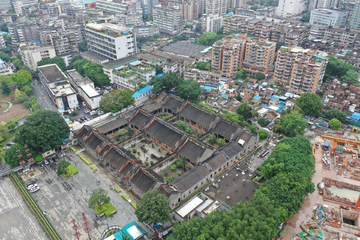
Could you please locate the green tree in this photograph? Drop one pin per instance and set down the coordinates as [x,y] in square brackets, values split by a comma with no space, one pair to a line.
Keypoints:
[4,57]
[310,104]
[153,208]
[220,142]
[208,38]
[290,124]
[188,230]
[59,61]
[189,89]
[82,46]
[206,66]
[116,100]
[335,124]
[61,167]
[6,89]
[4,28]
[254,8]
[17,63]
[28,89]
[74,59]
[20,96]
[98,197]
[7,38]
[339,68]
[245,110]
[166,82]
[305,17]
[44,130]
[241,74]
[12,124]
[95,73]
[336,113]
[158,69]
[22,78]
[7,50]
[259,76]
[35,105]
[238,98]
[351,77]
[263,134]
[253,128]
[13,158]
[181,125]
[262,122]
[212,138]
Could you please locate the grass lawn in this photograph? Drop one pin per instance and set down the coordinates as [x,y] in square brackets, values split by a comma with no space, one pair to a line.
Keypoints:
[107,208]
[71,170]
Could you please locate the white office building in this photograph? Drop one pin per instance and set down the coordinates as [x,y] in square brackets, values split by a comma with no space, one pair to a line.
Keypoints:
[326,17]
[287,8]
[85,88]
[5,68]
[211,23]
[315,4]
[110,41]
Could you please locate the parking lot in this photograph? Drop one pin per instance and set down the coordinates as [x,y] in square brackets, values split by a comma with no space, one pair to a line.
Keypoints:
[66,199]
[16,220]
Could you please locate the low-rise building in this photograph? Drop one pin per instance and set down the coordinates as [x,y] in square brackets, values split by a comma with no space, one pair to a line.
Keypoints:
[58,87]
[143,95]
[145,30]
[5,68]
[85,89]
[204,77]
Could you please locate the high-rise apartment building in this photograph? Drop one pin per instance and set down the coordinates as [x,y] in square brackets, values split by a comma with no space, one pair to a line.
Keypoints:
[355,17]
[168,20]
[211,23]
[227,56]
[287,8]
[31,55]
[216,7]
[315,4]
[63,42]
[110,41]
[259,56]
[300,70]
[23,33]
[5,5]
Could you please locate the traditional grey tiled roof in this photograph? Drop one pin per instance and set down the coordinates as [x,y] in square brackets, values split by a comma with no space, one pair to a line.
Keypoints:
[139,120]
[190,178]
[113,125]
[199,116]
[216,161]
[152,107]
[142,181]
[83,132]
[227,130]
[173,104]
[192,151]
[232,149]
[115,159]
[93,141]
[163,133]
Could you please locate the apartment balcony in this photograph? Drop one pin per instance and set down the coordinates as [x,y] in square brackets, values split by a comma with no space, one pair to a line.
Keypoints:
[296,83]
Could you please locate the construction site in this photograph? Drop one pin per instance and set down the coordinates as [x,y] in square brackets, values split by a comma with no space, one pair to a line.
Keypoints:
[332,211]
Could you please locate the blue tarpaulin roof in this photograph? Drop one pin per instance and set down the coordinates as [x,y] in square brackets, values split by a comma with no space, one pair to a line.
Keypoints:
[223,95]
[274,98]
[119,67]
[249,85]
[279,109]
[282,104]
[135,62]
[266,107]
[209,87]
[126,31]
[142,91]
[228,15]
[356,116]
[257,97]
[159,75]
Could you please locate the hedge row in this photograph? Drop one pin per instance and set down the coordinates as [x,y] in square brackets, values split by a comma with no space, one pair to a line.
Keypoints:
[72,148]
[83,158]
[125,196]
[117,189]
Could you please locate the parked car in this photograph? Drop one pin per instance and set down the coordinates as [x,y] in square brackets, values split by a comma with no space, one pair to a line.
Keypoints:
[26,170]
[56,159]
[92,113]
[34,189]
[31,185]
[51,161]
[46,162]
[84,104]
[87,118]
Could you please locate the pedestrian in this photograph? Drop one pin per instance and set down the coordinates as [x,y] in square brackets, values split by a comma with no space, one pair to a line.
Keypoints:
[86,190]
[85,200]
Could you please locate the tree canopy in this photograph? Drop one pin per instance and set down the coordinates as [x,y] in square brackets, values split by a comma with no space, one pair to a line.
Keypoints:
[262,122]
[153,208]
[4,57]
[335,124]
[241,74]
[116,101]
[310,104]
[61,167]
[4,28]
[89,69]
[305,17]
[336,113]
[17,153]
[166,82]
[259,76]
[206,66]
[189,89]
[290,124]
[341,70]
[59,61]
[98,197]
[209,38]
[263,134]
[44,130]
[245,110]
[82,46]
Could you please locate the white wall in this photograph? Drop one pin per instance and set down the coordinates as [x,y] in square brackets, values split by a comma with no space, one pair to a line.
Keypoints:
[124,46]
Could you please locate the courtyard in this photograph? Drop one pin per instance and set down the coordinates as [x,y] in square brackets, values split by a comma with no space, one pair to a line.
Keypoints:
[146,151]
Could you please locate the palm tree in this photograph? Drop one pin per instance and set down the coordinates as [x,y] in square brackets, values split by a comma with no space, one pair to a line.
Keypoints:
[124,237]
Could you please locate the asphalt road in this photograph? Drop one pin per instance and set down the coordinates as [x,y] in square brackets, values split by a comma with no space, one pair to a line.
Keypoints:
[44,100]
